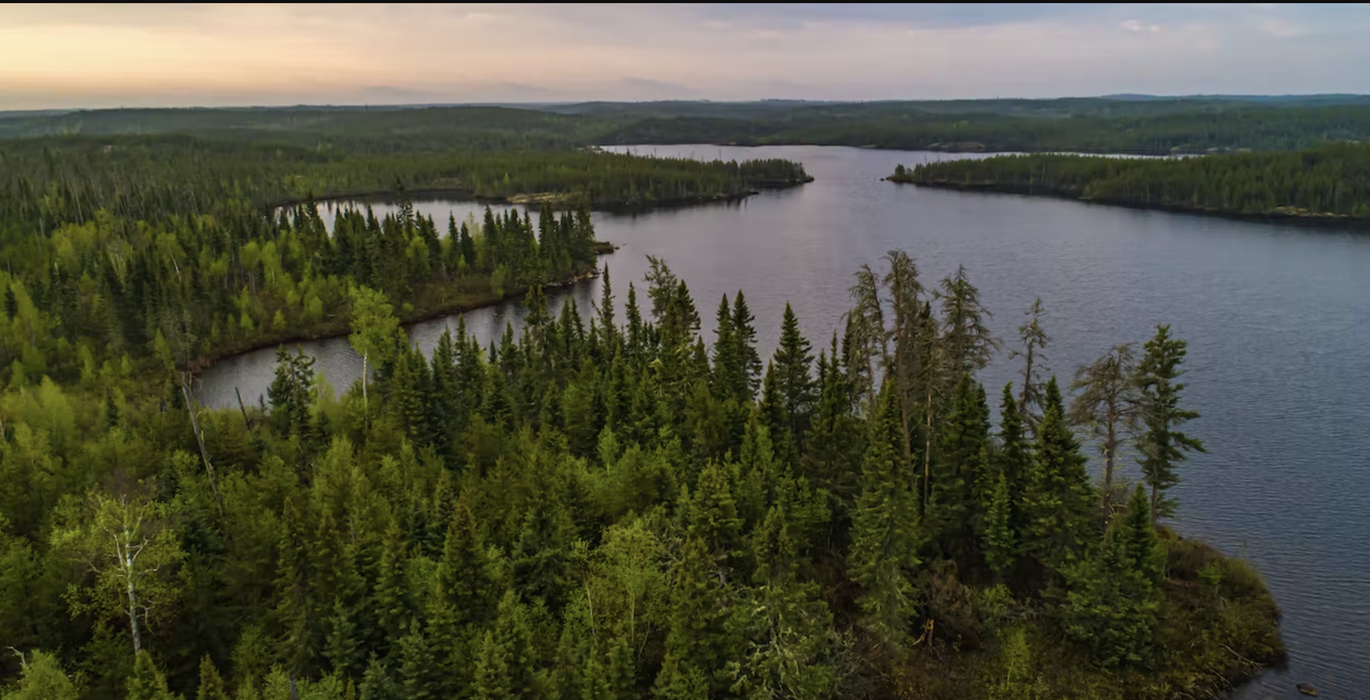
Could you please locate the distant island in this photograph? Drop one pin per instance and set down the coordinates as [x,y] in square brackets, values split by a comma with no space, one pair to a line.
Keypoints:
[1324,185]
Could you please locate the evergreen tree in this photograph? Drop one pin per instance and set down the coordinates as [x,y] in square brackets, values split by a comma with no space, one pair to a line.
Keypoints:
[744,335]
[1162,446]
[1114,596]
[147,681]
[1059,500]
[492,680]
[465,577]
[792,362]
[998,543]
[1014,458]
[884,541]
[211,684]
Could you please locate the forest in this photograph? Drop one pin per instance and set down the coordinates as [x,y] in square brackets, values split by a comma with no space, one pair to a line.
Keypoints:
[1324,184]
[596,508]
[1117,124]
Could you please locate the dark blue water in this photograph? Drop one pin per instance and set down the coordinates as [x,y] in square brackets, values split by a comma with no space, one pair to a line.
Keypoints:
[1277,319]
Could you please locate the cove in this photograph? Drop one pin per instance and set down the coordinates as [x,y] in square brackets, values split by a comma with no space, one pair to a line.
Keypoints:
[1276,317]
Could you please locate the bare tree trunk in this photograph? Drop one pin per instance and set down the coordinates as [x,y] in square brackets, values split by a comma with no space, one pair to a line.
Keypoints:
[1110,452]
[132,602]
[246,423]
[927,447]
[1027,382]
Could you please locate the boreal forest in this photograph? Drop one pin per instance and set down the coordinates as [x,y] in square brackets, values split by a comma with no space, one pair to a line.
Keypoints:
[1327,184]
[596,508]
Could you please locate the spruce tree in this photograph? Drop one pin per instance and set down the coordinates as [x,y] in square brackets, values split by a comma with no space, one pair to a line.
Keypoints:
[1162,446]
[1059,499]
[464,574]
[1114,596]
[883,540]
[1014,457]
[998,542]
[147,681]
[792,363]
[744,334]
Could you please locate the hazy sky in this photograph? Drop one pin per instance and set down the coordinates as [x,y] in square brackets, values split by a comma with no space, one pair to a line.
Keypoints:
[188,54]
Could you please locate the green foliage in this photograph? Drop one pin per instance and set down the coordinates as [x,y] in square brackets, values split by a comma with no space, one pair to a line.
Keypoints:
[42,679]
[1318,183]
[606,512]
[1162,445]
[1115,595]
[884,527]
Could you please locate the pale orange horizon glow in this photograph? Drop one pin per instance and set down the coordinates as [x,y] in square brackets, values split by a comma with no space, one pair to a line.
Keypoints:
[106,55]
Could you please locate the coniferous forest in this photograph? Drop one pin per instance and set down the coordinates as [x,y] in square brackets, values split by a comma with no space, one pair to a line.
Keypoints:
[1326,184]
[597,508]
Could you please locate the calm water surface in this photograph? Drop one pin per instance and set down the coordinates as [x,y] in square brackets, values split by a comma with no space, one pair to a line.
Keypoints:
[1277,319]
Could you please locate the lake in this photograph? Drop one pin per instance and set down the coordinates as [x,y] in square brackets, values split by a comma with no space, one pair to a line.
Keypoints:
[1277,319]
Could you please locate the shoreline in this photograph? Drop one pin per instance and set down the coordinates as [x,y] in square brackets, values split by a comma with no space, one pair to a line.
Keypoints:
[330,329]
[932,148]
[1321,221]
[556,200]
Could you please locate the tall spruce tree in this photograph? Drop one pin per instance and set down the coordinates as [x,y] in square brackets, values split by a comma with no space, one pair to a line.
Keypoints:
[1059,503]
[1162,445]
[884,530]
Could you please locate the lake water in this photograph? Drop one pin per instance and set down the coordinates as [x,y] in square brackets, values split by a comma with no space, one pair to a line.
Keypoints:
[1277,319]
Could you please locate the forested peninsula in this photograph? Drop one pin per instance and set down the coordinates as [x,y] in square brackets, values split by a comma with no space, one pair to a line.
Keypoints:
[1329,184]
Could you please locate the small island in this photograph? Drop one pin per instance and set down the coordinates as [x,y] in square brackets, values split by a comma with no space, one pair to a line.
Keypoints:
[1323,185]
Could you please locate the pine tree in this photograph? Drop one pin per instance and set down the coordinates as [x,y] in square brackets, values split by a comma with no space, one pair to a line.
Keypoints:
[1162,445]
[883,540]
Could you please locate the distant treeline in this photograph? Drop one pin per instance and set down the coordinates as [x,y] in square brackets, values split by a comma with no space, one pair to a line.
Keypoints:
[1202,130]
[1140,125]
[1324,182]
[70,178]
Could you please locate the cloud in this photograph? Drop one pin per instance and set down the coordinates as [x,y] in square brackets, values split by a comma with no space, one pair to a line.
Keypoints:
[1137,27]
[56,56]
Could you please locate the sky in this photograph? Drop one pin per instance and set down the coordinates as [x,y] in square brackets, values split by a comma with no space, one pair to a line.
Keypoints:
[111,55]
